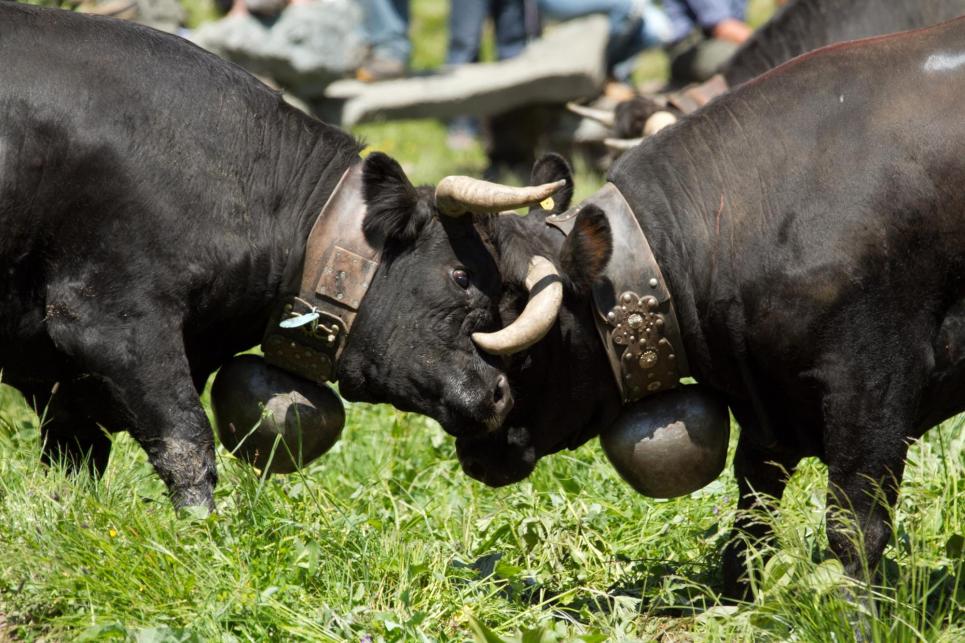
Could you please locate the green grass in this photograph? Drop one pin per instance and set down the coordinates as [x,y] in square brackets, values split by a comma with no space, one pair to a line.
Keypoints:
[378,537]
[374,538]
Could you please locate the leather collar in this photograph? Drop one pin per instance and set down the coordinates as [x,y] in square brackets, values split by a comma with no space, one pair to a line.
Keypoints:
[338,268]
[633,308]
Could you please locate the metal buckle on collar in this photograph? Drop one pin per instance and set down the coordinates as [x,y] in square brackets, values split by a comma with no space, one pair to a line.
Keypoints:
[337,270]
[308,350]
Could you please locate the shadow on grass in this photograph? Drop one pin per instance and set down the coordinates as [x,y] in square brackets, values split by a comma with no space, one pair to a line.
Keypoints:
[658,587]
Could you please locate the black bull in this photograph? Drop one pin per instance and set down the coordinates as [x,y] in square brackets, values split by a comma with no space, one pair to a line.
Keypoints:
[804,25]
[811,228]
[154,205]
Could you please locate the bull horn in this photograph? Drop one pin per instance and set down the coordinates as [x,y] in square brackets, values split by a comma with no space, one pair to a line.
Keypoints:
[658,121]
[622,144]
[601,116]
[536,319]
[457,195]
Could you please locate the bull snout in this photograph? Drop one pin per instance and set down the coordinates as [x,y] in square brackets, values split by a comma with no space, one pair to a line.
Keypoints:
[476,405]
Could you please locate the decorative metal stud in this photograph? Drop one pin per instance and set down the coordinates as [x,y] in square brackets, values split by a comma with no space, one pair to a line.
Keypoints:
[647,358]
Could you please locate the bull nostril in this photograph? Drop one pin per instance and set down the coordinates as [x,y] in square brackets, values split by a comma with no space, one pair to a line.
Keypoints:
[502,396]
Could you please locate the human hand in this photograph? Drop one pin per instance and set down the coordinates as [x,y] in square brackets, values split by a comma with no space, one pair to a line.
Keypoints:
[732,30]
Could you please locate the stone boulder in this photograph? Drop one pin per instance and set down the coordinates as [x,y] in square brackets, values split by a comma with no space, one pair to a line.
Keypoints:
[565,64]
[307,47]
[166,15]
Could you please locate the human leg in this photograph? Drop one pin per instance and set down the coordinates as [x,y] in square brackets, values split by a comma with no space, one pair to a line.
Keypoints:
[386,24]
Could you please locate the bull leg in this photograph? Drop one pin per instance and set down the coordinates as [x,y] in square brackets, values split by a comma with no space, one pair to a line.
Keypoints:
[761,476]
[144,370]
[869,415]
[861,492]
[68,435]
[71,436]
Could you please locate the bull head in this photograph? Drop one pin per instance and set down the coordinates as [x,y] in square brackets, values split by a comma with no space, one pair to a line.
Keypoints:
[631,120]
[460,195]
[472,315]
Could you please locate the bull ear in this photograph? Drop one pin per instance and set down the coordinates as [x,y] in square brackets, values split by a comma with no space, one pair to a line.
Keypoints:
[393,212]
[586,251]
[549,169]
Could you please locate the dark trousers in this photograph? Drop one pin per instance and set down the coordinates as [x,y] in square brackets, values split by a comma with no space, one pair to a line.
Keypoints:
[466,18]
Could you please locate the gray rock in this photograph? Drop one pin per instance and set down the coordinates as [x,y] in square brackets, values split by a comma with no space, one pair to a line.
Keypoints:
[308,47]
[166,15]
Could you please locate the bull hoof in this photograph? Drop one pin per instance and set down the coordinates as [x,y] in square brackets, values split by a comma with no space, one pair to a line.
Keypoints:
[194,513]
[193,503]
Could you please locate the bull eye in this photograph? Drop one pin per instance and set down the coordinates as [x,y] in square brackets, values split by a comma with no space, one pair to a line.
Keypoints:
[461,277]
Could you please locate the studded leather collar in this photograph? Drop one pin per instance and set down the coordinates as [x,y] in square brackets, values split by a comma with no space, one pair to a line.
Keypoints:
[338,268]
[633,308]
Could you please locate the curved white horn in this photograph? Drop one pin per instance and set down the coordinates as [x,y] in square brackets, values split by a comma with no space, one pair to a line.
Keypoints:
[658,121]
[622,144]
[458,195]
[601,116]
[536,319]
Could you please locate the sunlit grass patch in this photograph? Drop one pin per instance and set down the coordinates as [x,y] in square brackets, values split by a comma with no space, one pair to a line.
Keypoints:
[385,537]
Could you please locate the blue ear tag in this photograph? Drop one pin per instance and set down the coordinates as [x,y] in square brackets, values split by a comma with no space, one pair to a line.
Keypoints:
[300,320]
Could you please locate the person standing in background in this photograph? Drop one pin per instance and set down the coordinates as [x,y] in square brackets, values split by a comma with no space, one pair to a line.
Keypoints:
[704,35]
[514,23]
[635,25]
[386,24]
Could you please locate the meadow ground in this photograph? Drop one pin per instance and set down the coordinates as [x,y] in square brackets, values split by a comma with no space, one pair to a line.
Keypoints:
[384,538]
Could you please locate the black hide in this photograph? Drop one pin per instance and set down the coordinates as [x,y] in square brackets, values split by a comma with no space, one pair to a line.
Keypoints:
[154,203]
[810,228]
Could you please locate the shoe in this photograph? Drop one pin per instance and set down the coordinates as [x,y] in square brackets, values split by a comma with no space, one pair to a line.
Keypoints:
[617,91]
[377,68]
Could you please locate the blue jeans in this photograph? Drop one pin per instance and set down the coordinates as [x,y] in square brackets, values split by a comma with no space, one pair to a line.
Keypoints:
[634,26]
[686,15]
[466,18]
[386,25]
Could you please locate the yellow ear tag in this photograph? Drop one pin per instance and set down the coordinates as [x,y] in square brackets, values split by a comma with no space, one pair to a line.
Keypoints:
[547,203]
